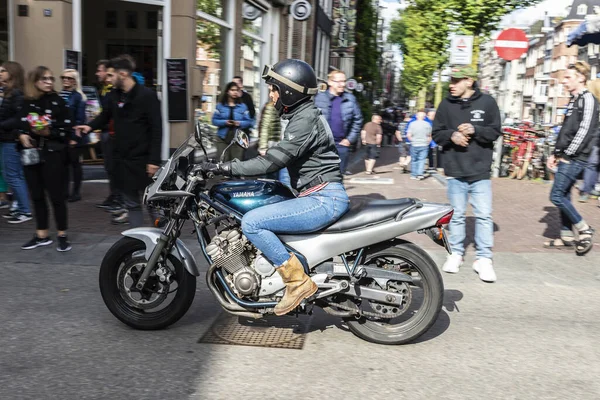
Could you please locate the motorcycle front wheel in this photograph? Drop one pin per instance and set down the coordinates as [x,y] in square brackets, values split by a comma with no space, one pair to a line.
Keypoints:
[166,297]
[384,324]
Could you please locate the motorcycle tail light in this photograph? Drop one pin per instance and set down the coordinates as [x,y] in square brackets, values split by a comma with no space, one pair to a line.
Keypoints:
[445,220]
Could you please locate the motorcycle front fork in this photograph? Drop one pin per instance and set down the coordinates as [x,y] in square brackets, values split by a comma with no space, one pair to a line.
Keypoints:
[173,227]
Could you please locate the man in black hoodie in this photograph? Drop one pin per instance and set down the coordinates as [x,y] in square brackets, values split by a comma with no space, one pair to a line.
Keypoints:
[466,125]
[574,144]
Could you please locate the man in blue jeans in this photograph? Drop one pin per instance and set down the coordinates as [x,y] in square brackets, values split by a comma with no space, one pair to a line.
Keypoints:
[574,145]
[343,114]
[419,135]
[466,126]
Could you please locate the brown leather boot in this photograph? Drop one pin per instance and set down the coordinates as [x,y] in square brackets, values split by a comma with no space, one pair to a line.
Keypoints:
[298,285]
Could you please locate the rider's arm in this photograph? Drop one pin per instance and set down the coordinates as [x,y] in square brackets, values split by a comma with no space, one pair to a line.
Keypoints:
[296,140]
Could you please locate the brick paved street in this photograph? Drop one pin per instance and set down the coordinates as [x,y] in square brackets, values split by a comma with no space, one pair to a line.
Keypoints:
[523,214]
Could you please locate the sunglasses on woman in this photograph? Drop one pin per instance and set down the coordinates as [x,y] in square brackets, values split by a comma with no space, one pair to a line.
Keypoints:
[68,78]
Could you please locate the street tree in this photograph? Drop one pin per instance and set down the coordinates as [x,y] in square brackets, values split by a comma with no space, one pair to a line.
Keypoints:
[422,34]
[481,17]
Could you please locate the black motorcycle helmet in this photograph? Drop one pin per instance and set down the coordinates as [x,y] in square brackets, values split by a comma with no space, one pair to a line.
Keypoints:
[294,79]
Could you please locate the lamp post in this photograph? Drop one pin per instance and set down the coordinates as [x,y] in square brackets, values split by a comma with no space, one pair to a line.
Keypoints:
[555,100]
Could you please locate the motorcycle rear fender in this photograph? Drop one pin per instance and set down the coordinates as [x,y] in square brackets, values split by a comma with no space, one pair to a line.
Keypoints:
[318,247]
[150,237]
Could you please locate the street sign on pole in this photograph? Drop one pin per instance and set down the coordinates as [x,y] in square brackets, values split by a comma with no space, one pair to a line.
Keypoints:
[461,50]
[511,44]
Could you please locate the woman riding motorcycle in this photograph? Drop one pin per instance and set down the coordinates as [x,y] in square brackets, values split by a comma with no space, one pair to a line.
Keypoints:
[308,151]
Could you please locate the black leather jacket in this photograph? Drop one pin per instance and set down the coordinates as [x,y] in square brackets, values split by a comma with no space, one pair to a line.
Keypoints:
[9,116]
[307,150]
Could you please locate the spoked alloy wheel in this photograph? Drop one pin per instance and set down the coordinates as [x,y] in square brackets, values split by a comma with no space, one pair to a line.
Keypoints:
[166,297]
[421,300]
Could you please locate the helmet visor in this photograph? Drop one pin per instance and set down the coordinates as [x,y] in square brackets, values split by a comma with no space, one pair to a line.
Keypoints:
[269,74]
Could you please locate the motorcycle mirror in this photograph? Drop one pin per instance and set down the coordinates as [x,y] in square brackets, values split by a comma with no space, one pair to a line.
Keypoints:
[198,137]
[241,139]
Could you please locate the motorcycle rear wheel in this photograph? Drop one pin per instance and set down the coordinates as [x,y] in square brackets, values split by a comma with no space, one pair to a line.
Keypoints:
[125,254]
[432,284]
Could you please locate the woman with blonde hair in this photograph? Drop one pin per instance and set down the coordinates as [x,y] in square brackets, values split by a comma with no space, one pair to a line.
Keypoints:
[45,130]
[12,77]
[75,100]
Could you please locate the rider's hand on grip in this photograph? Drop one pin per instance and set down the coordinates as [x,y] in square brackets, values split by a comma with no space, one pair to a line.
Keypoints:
[216,169]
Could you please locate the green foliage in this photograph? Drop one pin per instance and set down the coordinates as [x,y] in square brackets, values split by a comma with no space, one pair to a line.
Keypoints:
[423,29]
[365,105]
[366,54]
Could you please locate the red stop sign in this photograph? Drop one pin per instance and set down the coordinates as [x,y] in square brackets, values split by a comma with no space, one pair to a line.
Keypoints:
[511,44]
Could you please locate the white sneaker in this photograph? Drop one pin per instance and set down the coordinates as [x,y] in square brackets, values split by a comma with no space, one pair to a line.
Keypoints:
[452,264]
[485,269]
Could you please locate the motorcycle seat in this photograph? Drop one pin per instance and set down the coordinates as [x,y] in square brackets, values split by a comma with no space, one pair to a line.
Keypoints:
[366,212]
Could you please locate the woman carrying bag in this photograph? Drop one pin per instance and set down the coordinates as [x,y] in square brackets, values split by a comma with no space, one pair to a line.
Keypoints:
[75,99]
[45,132]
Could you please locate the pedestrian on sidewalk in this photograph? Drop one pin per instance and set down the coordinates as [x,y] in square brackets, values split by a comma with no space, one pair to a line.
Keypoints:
[75,100]
[270,134]
[466,125]
[12,78]
[135,111]
[590,186]
[247,100]
[574,145]
[231,114]
[107,132]
[403,146]
[46,125]
[342,112]
[419,135]
[371,136]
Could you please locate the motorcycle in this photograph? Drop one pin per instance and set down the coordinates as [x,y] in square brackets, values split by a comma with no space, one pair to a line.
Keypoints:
[387,289]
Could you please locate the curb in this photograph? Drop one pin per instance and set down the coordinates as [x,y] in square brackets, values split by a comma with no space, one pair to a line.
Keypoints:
[440,178]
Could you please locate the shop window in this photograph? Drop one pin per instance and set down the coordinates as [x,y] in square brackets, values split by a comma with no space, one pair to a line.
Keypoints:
[110,19]
[216,8]
[4,34]
[131,19]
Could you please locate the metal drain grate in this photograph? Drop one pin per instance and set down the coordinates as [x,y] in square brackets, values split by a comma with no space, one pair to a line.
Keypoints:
[284,332]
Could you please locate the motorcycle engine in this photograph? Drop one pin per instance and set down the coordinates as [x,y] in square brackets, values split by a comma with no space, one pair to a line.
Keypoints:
[232,252]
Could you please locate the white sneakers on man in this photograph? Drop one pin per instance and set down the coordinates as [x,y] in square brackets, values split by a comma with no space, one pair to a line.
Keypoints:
[452,264]
[485,269]
[482,266]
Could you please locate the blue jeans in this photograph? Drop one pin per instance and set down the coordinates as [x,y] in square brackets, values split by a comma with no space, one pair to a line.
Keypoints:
[344,153]
[590,174]
[560,195]
[418,155]
[284,177]
[481,201]
[300,215]
[12,169]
